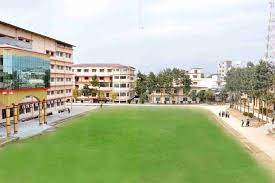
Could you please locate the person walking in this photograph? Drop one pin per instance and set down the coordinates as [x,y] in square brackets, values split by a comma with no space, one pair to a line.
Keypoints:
[220,114]
[242,123]
[228,115]
[272,121]
[247,123]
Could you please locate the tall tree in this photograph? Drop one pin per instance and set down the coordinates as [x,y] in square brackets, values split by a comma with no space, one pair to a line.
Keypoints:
[86,91]
[151,83]
[96,86]
[193,95]
[141,86]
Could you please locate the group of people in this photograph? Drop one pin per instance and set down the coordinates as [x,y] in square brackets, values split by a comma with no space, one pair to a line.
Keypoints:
[247,123]
[225,114]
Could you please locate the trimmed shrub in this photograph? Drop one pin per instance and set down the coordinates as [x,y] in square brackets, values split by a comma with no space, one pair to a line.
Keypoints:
[250,115]
[245,113]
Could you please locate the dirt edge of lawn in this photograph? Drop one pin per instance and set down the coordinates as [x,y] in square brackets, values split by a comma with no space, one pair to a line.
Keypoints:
[261,157]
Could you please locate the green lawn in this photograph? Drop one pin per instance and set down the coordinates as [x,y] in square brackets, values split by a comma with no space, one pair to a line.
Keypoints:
[132,145]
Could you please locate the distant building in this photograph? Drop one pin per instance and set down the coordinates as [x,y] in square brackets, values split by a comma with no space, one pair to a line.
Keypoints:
[114,79]
[199,83]
[224,67]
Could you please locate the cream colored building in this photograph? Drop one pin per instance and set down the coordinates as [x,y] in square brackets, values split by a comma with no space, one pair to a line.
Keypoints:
[113,79]
[199,82]
[61,60]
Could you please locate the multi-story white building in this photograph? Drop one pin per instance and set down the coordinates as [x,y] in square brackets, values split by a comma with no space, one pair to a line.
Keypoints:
[224,67]
[114,79]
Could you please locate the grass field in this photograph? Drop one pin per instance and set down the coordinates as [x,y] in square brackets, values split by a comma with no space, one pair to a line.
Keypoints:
[132,145]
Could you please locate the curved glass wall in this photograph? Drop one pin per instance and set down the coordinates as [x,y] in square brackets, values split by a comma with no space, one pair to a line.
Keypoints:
[24,72]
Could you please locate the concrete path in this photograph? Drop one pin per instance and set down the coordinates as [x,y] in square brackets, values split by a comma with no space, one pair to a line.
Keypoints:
[32,127]
[255,136]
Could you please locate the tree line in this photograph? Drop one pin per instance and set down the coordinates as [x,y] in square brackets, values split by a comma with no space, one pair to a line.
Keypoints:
[255,81]
[168,81]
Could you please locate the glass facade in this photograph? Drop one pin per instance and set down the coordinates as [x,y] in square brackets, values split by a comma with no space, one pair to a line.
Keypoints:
[18,72]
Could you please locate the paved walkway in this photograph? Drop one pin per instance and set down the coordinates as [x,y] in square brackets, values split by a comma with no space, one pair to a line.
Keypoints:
[255,136]
[32,127]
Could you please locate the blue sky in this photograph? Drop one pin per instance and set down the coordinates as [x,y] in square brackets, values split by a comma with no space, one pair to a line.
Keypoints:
[177,33]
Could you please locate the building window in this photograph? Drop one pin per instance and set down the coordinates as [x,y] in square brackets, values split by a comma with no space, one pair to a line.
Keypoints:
[101,78]
[195,76]
[86,78]
[93,70]
[122,85]
[123,94]
[101,70]
[116,85]
[78,70]
[122,77]
[116,77]
[52,79]
[52,66]
[109,70]
[86,70]
[107,94]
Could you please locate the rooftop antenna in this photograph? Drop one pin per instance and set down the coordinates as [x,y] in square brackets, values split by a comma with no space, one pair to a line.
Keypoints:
[140,15]
[270,46]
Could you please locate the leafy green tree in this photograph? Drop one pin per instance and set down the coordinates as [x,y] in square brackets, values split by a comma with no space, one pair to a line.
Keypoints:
[234,84]
[209,96]
[96,86]
[114,96]
[141,86]
[202,95]
[86,91]
[264,81]
[94,81]
[75,93]
[151,83]
[223,95]
[193,95]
